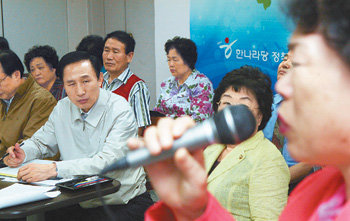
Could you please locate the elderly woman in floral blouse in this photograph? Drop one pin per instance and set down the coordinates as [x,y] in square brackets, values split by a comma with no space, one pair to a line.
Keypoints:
[187,92]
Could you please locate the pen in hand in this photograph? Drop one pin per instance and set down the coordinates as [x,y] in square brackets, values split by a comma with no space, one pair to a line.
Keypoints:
[3,157]
[6,154]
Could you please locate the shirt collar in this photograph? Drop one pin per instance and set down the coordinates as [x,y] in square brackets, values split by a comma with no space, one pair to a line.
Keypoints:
[22,90]
[8,103]
[97,110]
[82,112]
[236,154]
[123,77]
[191,78]
[189,81]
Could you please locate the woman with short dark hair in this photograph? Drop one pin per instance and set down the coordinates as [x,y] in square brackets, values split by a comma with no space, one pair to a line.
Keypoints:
[187,92]
[249,179]
[42,62]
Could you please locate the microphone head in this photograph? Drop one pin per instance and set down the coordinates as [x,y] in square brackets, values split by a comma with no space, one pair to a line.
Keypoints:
[234,124]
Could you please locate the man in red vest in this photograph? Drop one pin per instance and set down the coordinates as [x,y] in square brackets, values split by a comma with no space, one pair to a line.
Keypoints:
[117,54]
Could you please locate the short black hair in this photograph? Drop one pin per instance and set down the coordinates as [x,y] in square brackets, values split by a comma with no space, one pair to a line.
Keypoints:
[327,17]
[77,56]
[126,38]
[4,44]
[46,52]
[10,62]
[92,44]
[253,79]
[185,47]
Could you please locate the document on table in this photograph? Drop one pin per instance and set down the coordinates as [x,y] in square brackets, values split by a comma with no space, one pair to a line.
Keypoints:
[17,194]
[10,174]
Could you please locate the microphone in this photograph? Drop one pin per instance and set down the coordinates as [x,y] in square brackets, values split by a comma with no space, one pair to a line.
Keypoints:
[232,125]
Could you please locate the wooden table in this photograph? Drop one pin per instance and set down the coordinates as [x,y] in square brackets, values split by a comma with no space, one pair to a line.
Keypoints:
[36,210]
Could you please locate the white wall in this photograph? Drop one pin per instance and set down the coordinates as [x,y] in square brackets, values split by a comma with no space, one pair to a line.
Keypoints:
[63,23]
[114,15]
[2,34]
[140,22]
[84,17]
[78,22]
[96,17]
[28,23]
[172,18]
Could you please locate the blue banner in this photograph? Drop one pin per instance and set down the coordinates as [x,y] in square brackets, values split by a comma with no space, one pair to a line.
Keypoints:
[233,33]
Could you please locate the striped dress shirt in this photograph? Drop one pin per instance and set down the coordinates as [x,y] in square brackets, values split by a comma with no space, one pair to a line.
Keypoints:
[139,96]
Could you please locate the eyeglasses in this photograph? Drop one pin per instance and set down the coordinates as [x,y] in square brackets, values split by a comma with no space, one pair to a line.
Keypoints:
[1,80]
[227,103]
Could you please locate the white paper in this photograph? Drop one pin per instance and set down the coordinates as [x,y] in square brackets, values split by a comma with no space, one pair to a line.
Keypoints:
[51,182]
[12,174]
[17,194]
[53,194]
[9,179]
[40,183]
[13,171]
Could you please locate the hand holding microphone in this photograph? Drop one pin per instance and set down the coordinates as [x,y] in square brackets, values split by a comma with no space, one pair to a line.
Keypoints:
[232,125]
[181,180]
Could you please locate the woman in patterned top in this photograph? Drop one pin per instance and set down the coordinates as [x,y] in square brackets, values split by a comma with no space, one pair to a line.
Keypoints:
[187,91]
[42,62]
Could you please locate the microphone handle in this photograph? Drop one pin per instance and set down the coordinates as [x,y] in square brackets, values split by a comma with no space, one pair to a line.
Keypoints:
[142,156]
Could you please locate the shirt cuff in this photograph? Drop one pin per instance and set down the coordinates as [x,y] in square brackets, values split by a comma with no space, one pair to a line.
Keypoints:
[57,176]
[61,172]
[30,153]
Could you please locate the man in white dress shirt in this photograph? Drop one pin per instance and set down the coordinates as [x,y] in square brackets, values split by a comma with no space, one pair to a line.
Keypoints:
[90,129]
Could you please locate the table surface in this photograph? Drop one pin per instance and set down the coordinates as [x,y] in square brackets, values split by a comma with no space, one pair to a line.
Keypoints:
[66,198]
